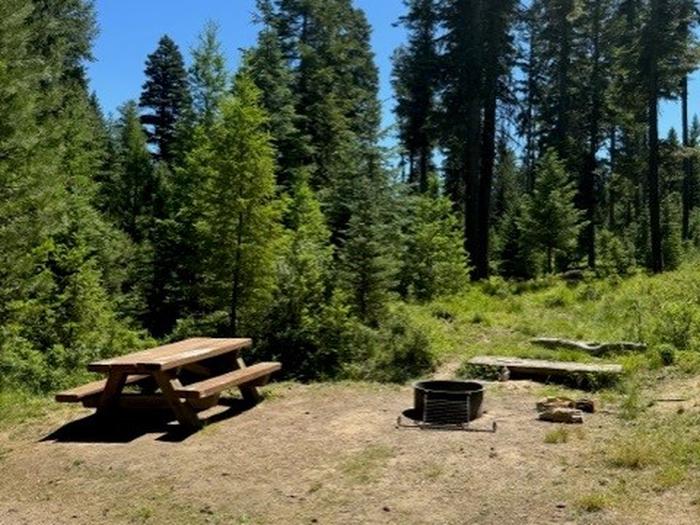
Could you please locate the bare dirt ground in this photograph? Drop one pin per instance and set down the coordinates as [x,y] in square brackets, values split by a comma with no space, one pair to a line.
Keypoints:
[327,454]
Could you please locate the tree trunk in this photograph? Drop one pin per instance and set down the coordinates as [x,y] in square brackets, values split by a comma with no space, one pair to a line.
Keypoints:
[611,196]
[424,167]
[530,115]
[488,159]
[496,17]
[653,124]
[687,168]
[588,186]
[562,123]
[236,281]
[472,139]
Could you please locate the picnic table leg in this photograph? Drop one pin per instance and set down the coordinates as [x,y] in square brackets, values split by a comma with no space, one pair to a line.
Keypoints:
[184,413]
[113,389]
[250,393]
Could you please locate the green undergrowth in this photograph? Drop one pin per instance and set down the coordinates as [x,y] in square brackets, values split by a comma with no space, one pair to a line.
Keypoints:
[17,407]
[500,318]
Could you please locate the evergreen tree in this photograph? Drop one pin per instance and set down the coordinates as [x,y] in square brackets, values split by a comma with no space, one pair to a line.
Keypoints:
[415,80]
[498,62]
[434,262]
[294,326]
[129,192]
[462,83]
[516,258]
[208,75]
[274,77]
[238,221]
[476,60]
[327,42]
[368,267]
[165,98]
[667,52]
[63,282]
[552,221]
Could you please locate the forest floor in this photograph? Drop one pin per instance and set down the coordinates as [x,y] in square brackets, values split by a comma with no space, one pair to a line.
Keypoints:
[332,454]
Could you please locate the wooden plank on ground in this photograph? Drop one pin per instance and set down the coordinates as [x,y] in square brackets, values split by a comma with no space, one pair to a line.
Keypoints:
[74,395]
[538,367]
[217,384]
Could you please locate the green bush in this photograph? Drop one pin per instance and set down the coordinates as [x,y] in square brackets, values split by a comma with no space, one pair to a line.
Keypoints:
[667,354]
[676,324]
[394,353]
[615,254]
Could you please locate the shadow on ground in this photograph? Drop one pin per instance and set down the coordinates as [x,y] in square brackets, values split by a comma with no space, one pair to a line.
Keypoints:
[125,427]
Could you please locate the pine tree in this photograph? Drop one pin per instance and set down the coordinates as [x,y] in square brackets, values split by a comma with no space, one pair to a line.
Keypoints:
[476,60]
[64,285]
[368,267]
[165,98]
[327,42]
[239,221]
[274,77]
[498,62]
[294,326]
[434,262]
[208,74]
[20,169]
[415,81]
[516,258]
[129,192]
[667,52]
[552,220]
[462,88]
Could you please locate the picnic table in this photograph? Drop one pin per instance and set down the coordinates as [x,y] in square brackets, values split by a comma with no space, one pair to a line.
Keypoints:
[184,377]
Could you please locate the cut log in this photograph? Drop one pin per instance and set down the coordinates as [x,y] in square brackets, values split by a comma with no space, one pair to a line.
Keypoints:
[579,374]
[562,415]
[593,348]
[551,403]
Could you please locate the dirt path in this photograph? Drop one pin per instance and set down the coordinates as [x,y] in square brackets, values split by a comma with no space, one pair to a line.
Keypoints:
[327,454]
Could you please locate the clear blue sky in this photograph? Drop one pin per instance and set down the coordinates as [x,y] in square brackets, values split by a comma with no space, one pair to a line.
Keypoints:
[130,29]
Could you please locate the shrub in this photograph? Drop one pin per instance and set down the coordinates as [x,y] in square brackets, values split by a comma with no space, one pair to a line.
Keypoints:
[667,354]
[394,353]
[676,324]
[496,287]
[615,255]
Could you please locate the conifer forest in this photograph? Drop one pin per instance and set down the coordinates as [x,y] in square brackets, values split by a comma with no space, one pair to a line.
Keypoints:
[267,200]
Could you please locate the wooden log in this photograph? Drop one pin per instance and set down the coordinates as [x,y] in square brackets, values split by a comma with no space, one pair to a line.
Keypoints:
[538,367]
[593,348]
[562,415]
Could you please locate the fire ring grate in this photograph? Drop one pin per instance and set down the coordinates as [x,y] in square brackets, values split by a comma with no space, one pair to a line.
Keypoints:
[443,404]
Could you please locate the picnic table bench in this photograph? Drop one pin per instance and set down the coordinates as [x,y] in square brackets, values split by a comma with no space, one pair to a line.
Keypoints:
[184,377]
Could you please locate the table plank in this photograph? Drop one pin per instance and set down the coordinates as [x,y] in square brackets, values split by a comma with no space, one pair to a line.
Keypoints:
[172,355]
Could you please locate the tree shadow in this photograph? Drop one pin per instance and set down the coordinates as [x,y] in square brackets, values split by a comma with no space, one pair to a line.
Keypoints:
[121,427]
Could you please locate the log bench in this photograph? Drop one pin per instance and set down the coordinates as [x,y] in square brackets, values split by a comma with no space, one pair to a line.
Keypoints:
[165,375]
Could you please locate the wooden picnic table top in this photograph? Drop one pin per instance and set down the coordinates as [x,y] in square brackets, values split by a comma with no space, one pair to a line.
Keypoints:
[170,356]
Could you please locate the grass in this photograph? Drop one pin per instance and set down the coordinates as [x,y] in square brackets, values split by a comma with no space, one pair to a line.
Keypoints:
[17,407]
[500,318]
[594,502]
[556,436]
[364,466]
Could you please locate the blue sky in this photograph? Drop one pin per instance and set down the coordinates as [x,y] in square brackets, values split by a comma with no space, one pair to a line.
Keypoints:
[130,29]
